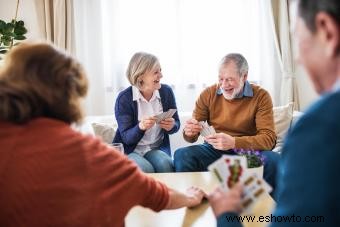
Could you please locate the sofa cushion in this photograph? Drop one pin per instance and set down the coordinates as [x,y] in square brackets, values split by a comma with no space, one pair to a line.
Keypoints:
[104,131]
[283,116]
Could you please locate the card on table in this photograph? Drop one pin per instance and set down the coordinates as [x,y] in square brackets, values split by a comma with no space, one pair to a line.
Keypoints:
[160,117]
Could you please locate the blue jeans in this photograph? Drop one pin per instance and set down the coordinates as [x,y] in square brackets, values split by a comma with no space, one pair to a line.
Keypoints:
[198,157]
[154,161]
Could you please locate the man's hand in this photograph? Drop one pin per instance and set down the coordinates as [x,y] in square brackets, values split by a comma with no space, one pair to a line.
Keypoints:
[221,141]
[147,123]
[167,124]
[192,128]
[222,201]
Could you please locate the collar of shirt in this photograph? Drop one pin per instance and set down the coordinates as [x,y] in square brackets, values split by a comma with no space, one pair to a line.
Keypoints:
[247,91]
[137,95]
[336,86]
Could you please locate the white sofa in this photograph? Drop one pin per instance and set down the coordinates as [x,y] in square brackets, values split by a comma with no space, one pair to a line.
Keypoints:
[106,124]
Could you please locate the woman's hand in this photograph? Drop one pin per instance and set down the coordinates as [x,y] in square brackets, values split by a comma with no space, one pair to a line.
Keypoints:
[167,124]
[195,196]
[147,123]
[191,198]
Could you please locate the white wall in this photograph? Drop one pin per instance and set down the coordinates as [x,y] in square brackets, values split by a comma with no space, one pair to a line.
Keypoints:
[27,12]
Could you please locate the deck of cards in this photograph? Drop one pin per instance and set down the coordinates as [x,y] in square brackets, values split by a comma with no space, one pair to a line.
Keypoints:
[160,117]
[206,129]
[231,169]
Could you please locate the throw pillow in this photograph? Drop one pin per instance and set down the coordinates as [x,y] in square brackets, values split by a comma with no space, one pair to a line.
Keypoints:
[104,131]
[282,119]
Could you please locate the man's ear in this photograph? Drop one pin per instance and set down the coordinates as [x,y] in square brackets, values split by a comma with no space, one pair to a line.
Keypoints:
[328,31]
[245,76]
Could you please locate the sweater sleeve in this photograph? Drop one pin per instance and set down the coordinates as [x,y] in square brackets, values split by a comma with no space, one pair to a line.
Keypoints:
[119,182]
[228,219]
[130,132]
[265,137]
[201,111]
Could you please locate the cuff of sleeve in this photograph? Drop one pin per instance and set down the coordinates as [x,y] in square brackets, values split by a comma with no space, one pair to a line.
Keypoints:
[229,219]
[238,143]
[189,139]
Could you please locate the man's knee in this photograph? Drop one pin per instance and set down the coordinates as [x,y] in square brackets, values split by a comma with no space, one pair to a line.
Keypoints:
[183,160]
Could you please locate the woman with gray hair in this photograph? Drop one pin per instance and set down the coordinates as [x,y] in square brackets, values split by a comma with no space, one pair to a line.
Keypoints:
[145,140]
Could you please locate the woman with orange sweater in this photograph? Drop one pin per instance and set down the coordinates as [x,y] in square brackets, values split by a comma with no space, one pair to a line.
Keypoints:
[51,175]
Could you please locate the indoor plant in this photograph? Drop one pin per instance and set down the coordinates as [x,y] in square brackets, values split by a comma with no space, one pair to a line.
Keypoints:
[255,160]
[11,32]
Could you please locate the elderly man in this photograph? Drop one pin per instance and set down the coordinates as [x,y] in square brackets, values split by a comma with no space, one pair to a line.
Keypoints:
[240,112]
[309,187]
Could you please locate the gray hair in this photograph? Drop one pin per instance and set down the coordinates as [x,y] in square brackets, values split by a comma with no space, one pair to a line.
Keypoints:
[239,60]
[140,63]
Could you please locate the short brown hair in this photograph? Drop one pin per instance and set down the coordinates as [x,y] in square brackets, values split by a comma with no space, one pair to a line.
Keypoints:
[38,80]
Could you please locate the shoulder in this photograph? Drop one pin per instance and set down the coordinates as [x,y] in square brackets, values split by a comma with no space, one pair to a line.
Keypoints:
[325,111]
[259,91]
[165,89]
[166,92]
[125,95]
[210,91]
[262,96]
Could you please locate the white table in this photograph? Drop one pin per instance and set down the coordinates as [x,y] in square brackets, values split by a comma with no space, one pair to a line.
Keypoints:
[201,216]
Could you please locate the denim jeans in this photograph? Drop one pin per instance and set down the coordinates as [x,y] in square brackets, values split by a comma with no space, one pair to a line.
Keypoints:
[198,157]
[154,161]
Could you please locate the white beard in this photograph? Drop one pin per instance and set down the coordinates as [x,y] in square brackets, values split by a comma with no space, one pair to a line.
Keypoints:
[233,95]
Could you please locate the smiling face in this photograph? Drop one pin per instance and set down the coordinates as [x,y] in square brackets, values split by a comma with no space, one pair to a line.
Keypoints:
[151,79]
[230,81]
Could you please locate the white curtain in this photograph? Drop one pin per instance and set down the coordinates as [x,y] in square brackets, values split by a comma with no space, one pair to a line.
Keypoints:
[288,91]
[189,38]
[57,22]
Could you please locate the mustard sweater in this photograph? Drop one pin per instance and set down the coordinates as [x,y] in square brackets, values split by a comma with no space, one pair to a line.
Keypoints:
[248,119]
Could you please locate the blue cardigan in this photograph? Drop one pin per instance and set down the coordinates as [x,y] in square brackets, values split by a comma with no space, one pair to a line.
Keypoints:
[309,182]
[126,113]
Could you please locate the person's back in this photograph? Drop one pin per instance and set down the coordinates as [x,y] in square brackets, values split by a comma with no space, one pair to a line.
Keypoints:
[51,175]
[54,176]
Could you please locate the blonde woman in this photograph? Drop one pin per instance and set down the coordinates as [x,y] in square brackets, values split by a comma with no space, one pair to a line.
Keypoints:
[145,141]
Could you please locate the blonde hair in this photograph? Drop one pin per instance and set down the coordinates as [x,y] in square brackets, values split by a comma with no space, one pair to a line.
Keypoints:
[38,80]
[139,64]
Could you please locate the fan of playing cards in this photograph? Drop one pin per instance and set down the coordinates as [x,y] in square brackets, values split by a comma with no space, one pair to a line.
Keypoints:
[231,169]
[160,117]
[206,129]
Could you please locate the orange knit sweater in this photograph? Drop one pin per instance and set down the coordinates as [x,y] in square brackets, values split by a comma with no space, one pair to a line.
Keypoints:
[51,175]
[248,119]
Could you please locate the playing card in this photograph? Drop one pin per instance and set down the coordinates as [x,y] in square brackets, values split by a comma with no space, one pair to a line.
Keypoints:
[206,129]
[253,189]
[229,169]
[160,117]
